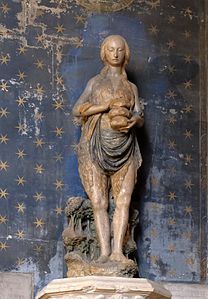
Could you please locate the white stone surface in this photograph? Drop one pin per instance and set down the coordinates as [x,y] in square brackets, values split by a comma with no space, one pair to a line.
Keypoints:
[187,291]
[102,287]
[16,285]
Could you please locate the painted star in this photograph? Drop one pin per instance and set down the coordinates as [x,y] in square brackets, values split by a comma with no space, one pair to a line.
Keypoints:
[4,86]
[21,76]
[4,165]
[153,29]
[189,261]
[39,90]
[58,210]
[188,84]
[188,108]
[38,196]
[39,222]
[4,112]
[3,139]
[4,59]
[59,80]
[5,8]
[39,116]
[171,221]
[20,261]
[59,184]
[172,273]
[188,134]
[80,19]
[171,44]
[172,144]
[188,210]
[39,168]
[20,234]
[21,154]
[171,94]
[155,206]
[20,207]
[22,128]
[154,4]
[39,64]
[40,38]
[59,132]
[38,248]
[187,235]
[171,19]
[20,180]
[60,28]
[188,11]
[172,170]
[172,119]
[3,219]
[21,101]
[3,246]
[39,142]
[74,147]
[187,34]
[154,259]
[58,157]
[187,58]
[188,159]
[59,104]
[171,69]
[188,184]
[171,248]
[78,43]
[172,196]
[21,50]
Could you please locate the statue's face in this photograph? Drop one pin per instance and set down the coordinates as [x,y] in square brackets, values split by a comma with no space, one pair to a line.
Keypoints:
[115,51]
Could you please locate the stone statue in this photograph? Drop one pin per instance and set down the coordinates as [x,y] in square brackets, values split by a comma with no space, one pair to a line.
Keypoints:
[108,152]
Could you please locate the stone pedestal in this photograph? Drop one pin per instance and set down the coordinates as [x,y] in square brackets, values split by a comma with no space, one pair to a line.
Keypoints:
[99,287]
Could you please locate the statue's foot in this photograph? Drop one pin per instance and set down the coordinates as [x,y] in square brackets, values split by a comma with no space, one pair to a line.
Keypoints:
[103,259]
[119,257]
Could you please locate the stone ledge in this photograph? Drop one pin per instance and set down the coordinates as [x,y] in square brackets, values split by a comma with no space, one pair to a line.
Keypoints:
[98,287]
[187,291]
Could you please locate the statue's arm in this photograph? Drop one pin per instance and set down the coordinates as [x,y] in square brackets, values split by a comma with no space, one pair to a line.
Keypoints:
[138,115]
[84,106]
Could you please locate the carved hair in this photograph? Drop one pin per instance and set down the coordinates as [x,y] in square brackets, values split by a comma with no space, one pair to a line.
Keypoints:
[103,52]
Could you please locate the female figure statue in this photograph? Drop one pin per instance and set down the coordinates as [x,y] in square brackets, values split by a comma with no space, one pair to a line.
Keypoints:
[108,152]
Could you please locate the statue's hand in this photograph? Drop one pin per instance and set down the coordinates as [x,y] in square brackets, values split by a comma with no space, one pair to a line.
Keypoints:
[136,119]
[84,107]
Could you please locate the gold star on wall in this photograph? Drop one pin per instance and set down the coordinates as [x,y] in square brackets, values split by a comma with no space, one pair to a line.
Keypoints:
[171,19]
[188,109]
[39,222]
[20,234]
[172,196]
[21,154]
[188,84]
[59,104]
[4,86]
[4,165]
[80,19]
[171,94]
[40,38]
[59,184]
[20,207]
[188,159]
[39,64]
[59,80]
[39,90]
[187,34]
[20,180]
[188,184]
[187,58]
[21,101]
[172,119]
[5,8]
[188,134]
[39,116]
[78,43]
[188,11]
[20,261]
[188,210]
[21,50]
[4,112]
[58,210]
[38,248]
[154,259]
[38,196]
[153,29]
[171,69]
[154,4]
[3,219]
[4,59]
[21,76]
[172,171]
[22,128]
[39,168]
[172,144]
[59,132]
[3,246]
[171,221]
[60,28]
[3,139]
[58,157]
[171,44]
[39,142]
[189,261]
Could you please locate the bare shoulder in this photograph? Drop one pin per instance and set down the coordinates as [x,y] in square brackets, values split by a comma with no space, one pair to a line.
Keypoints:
[134,87]
[92,81]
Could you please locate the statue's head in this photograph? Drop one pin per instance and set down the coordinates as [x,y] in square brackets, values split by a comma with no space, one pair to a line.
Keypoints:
[115,51]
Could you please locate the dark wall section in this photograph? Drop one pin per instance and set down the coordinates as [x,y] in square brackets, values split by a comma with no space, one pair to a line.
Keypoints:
[48,52]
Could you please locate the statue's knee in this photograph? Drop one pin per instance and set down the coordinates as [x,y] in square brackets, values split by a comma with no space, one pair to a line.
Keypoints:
[99,205]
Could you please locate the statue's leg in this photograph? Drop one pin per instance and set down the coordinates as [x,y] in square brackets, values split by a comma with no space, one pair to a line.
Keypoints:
[100,201]
[121,214]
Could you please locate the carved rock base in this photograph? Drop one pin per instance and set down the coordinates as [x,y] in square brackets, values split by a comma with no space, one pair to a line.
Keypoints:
[97,287]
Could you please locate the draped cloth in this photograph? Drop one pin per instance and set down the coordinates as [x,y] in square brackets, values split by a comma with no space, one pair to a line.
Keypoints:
[110,149]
